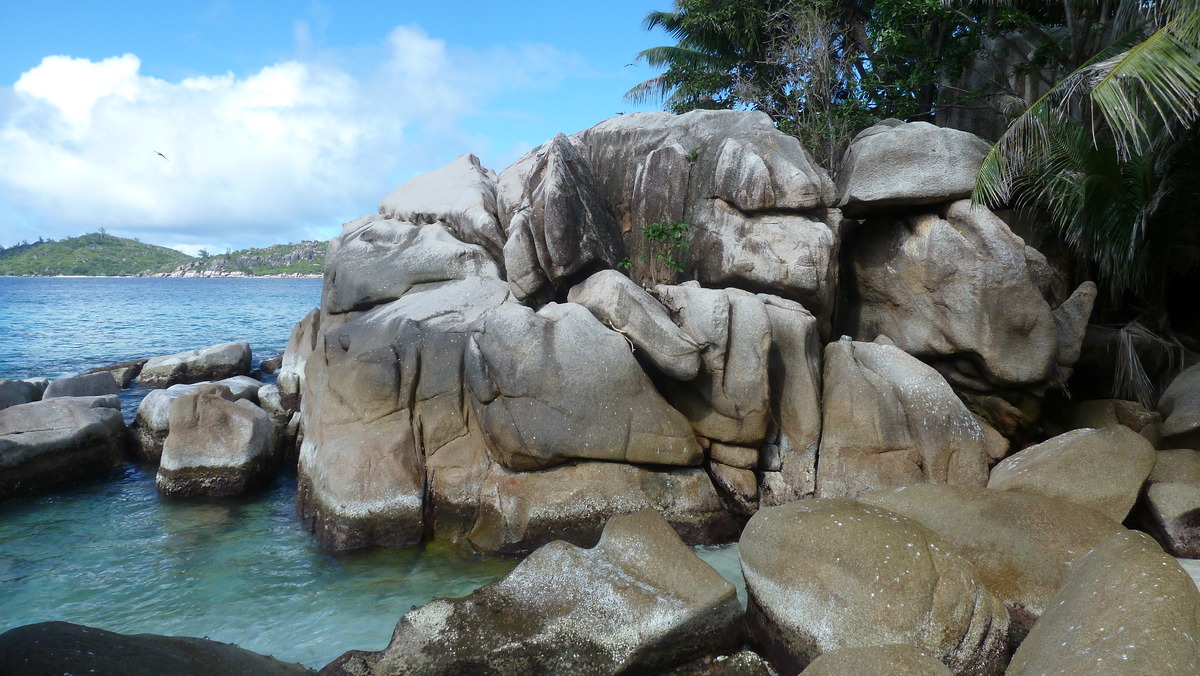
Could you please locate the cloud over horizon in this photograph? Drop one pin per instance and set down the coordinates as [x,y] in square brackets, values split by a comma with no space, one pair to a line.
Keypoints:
[284,153]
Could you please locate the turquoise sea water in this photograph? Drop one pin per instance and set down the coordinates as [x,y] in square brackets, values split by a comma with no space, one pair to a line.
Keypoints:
[112,553]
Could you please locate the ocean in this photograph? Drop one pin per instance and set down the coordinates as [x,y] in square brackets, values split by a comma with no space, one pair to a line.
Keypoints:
[112,553]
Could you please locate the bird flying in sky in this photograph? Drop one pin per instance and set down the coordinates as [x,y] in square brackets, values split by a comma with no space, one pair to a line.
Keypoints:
[161,155]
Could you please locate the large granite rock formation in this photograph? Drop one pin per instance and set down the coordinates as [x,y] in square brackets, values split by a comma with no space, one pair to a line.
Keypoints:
[53,442]
[64,648]
[891,420]
[301,344]
[638,602]
[829,574]
[214,362]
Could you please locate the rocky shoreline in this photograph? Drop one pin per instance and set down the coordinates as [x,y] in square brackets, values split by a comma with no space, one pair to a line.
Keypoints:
[672,330]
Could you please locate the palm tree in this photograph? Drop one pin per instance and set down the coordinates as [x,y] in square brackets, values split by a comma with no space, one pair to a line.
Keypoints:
[1095,153]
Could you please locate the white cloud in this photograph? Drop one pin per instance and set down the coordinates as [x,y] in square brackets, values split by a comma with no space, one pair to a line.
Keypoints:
[284,153]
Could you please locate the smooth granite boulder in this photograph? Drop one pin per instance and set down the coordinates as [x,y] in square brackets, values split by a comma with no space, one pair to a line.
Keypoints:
[15,392]
[93,385]
[214,362]
[1022,544]
[1172,515]
[218,446]
[1125,608]
[125,372]
[638,602]
[1180,409]
[377,260]
[903,164]
[951,288]
[629,310]
[755,206]
[56,648]
[884,660]
[557,384]
[828,574]
[891,420]
[1099,468]
[301,344]
[48,443]
[382,392]
[153,420]
[460,196]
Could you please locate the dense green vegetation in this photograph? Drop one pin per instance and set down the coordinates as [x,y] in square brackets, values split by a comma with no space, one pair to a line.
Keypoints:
[99,254]
[93,254]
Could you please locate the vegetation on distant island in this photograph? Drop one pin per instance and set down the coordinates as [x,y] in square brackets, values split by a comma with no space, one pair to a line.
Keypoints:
[101,254]
[1102,100]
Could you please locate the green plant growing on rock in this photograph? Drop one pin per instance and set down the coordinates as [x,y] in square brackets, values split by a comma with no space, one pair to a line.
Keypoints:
[663,242]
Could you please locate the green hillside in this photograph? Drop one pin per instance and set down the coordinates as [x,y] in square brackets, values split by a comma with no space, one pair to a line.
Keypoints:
[93,255]
[306,258]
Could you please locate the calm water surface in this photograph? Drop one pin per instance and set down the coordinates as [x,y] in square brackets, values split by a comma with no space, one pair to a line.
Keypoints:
[113,554]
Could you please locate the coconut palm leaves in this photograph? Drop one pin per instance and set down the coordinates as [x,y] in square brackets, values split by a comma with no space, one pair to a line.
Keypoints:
[1093,151]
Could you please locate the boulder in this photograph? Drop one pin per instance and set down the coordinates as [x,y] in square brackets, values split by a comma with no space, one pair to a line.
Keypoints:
[460,196]
[270,366]
[638,602]
[884,660]
[557,384]
[385,390]
[15,392]
[828,574]
[1172,514]
[210,363]
[153,422]
[218,446]
[628,309]
[1180,409]
[1022,544]
[907,164]
[64,648]
[1125,608]
[302,342]
[891,420]
[125,372]
[742,663]
[94,385]
[48,443]
[1071,321]
[1099,468]
[755,206]
[951,288]
[377,260]
[1105,412]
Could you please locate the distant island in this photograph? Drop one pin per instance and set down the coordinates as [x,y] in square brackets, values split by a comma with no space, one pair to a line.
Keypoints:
[103,255]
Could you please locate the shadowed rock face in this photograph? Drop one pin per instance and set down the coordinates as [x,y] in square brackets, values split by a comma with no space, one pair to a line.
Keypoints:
[828,574]
[65,648]
[1125,608]
[639,601]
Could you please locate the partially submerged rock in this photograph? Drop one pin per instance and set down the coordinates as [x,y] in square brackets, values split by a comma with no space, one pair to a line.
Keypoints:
[1099,468]
[637,602]
[218,446]
[48,443]
[828,574]
[93,385]
[152,422]
[1125,608]
[125,372]
[16,392]
[214,362]
[891,420]
[56,648]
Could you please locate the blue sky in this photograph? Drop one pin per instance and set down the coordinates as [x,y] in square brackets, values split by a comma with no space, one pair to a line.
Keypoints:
[282,120]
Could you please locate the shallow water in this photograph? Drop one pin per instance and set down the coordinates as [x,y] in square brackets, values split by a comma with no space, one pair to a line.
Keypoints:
[114,554]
